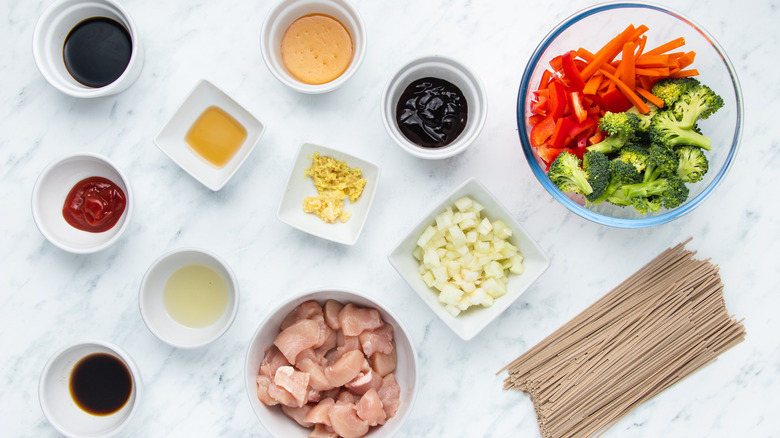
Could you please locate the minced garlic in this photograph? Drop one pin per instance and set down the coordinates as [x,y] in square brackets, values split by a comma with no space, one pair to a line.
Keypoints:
[334,181]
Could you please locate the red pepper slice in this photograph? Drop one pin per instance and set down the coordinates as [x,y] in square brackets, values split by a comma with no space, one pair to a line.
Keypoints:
[546,76]
[575,99]
[535,119]
[587,127]
[614,101]
[557,99]
[560,136]
[570,72]
[542,130]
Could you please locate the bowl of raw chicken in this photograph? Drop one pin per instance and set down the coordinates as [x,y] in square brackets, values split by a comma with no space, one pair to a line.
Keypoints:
[330,363]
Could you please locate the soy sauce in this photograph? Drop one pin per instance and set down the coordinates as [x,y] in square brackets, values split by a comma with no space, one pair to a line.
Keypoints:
[97,51]
[100,384]
[431,112]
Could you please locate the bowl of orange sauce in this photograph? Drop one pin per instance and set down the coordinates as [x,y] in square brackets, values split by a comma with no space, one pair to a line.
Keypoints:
[313,46]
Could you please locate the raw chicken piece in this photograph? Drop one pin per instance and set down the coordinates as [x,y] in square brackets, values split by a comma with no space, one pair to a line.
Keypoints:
[379,339]
[294,382]
[317,379]
[281,395]
[306,310]
[390,393]
[296,338]
[347,397]
[370,409]
[345,344]
[331,342]
[272,360]
[319,413]
[354,320]
[365,381]
[331,311]
[263,384]
[346,368]
[383,364]
[345,422]
[298,414]
[322,431]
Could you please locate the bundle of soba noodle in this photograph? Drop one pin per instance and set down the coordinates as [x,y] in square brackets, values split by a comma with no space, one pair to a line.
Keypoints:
[663,323]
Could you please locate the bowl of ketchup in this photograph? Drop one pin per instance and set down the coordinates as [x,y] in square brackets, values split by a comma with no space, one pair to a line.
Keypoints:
[82,203]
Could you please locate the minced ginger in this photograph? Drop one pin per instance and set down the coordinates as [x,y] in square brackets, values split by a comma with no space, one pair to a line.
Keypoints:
[334,181]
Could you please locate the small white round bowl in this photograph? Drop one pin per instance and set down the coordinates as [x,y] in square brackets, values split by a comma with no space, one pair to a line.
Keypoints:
[282,15]
[406,372]
[53,27]
[51,189]
[443,68]
[58,405]
[157,319]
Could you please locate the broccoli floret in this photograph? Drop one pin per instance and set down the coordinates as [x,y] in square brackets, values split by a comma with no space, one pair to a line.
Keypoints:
[661,162]
[669,192]
[566,172]
[643,129]
[692,164]
[620,173]
[636,155]
[671,90]
[665,130]
[621,129]
[596,166]
[698,103]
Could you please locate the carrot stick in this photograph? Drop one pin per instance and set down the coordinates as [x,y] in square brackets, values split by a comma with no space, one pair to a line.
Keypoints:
[607,53]
[687,59]
[671,45]
[629,93]
[652,61]
[592,86]
[638,32]
[652,98]
[627,72]
[654,72]
[642,43]
[685,73]
[584,54]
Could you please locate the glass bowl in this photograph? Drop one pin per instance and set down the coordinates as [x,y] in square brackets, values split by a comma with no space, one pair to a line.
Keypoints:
[715,70]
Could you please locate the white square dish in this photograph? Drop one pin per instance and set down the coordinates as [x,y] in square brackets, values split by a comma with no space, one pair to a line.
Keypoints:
[469,323]
[299,187]
[171,139]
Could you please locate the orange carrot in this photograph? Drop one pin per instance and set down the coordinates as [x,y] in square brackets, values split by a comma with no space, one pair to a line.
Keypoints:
[607,53]
[629,93]
[687,59]
[592,86]
[652,61]
[627,71]
[685,73]
[642,43]
[671,45]
[652,98]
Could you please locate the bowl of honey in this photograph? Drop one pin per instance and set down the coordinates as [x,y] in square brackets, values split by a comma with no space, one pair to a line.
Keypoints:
[313,46]
[210,135]
[90,388]
[188,297]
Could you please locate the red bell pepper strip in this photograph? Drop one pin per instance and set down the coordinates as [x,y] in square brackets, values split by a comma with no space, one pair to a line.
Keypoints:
[557,99]
[542,130]
[614,101]
[570,72]
[575,99]
[560,136]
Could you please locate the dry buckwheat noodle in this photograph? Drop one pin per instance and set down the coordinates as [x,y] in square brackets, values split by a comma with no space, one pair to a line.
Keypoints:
[659,326]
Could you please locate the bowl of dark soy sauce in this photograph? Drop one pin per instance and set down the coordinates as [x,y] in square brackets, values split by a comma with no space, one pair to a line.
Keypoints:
[87,48]
[434,107]
[89,389]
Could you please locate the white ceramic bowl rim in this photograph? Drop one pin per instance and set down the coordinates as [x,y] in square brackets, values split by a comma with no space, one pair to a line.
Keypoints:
[284,8]
[251,393]
[469,83]
[52,67]
[43,227]
[227,321]
[44,389]
[542,176]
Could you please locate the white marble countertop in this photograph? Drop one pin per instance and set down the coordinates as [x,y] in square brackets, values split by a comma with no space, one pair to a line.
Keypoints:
[49,298]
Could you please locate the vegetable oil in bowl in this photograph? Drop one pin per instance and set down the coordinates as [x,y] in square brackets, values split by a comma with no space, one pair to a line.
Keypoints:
[195,295]
[216,136]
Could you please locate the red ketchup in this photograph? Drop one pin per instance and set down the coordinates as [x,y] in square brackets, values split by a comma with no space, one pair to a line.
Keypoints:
[94,204]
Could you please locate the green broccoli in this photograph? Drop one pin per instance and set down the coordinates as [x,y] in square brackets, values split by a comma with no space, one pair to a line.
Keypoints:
[621,129]
[661,162]
[669,192]
[566,172]
[698,103]
[665,130]
[643,129]
[671,90]
[634,154]
[692,164]
[620,173]
[596,166]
